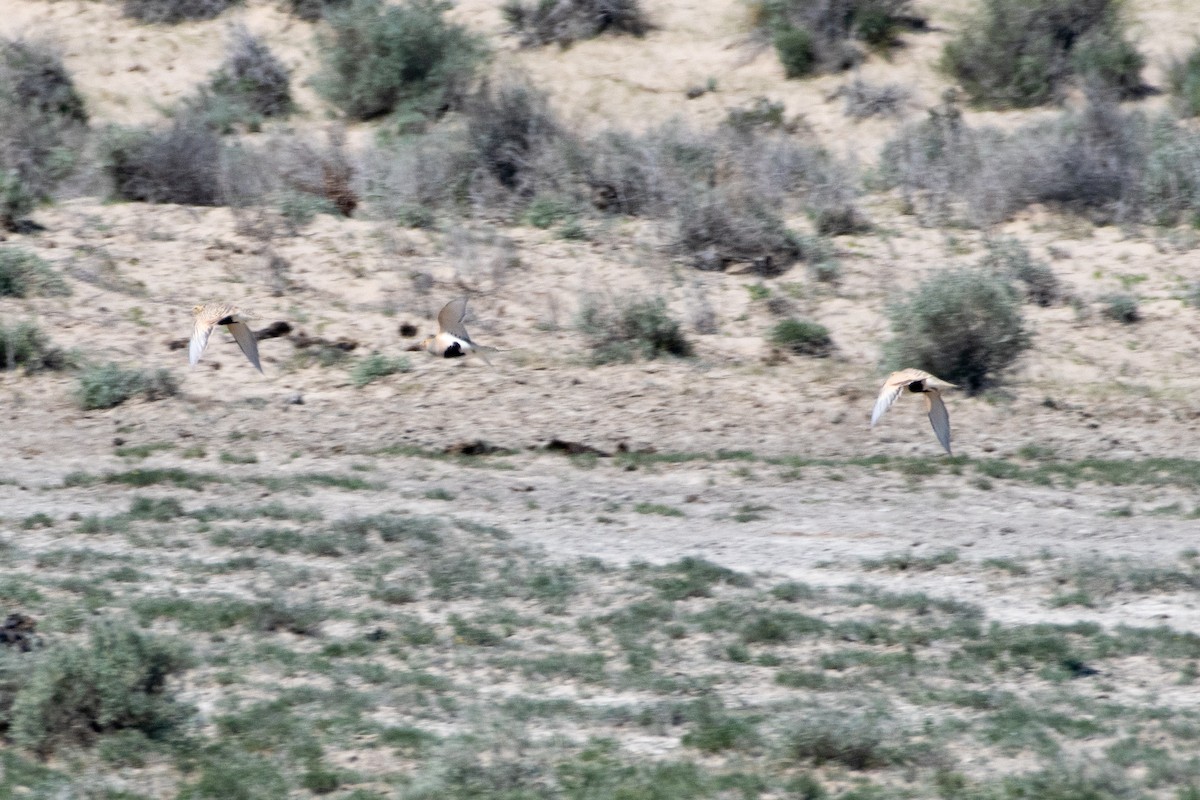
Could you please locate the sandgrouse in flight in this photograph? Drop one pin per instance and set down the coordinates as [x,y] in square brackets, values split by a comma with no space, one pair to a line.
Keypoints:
[452,339]
[209,316]
[915,380]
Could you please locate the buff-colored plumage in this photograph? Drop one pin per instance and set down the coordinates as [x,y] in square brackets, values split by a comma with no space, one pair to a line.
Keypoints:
[209,316]
[452,339]
[916,380]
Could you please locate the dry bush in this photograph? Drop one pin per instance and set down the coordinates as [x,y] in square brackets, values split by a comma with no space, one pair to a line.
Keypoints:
[722,226]
[564,21]
[410,179]
[327,172]
[250,85]
[173,11]
[824,35]
[862,100]
[1021,53]
[181,163]
[35,75]
[379,59]
[1090,161]
[42,127]
[512,130]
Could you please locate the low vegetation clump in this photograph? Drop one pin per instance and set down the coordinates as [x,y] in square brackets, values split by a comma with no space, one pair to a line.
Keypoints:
[963,325]
[312,10]
[1022,53]
[109,385]
[1120,307]
[566,21]
[43,126]
[25,345]
[170,12]
[830,35]
[24,274]
[251,85]
[1183,78]
[71,694]
[181,163]
[1007,258]
[862,100]
[376,366]
[802,337]
[626,330]
[408,59]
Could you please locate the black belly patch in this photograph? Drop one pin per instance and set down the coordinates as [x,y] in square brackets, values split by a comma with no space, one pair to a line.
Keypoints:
[917,386]
[454,351]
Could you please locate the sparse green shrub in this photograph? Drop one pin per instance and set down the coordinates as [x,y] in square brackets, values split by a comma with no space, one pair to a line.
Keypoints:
[1121,307]
[1021,53]
[794,46]
[180,164]
[376,366]
[249,86]
[42,127]
[565,21]
[714,729]
[109,385]
[831,28]
[694,577]
[379,58]
[116,682]
[964,325]
[1008,258]
[170,12]
[1170,187]
[630,329]
[852,739]
[24,345]
[803,337]
[23,273]
[1183,78]
[228,773]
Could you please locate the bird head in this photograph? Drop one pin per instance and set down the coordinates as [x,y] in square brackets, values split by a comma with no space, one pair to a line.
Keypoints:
[196,309]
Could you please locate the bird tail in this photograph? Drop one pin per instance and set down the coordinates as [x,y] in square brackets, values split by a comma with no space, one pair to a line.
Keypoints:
[480,351]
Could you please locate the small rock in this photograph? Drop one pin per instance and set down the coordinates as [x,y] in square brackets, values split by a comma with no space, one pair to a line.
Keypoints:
[294,399]
[118,441]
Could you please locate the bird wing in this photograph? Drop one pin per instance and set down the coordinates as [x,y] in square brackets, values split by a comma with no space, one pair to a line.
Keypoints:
[906,376]
[450,318]
[200,333]
[245,339]
[938,417]
[892,387]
